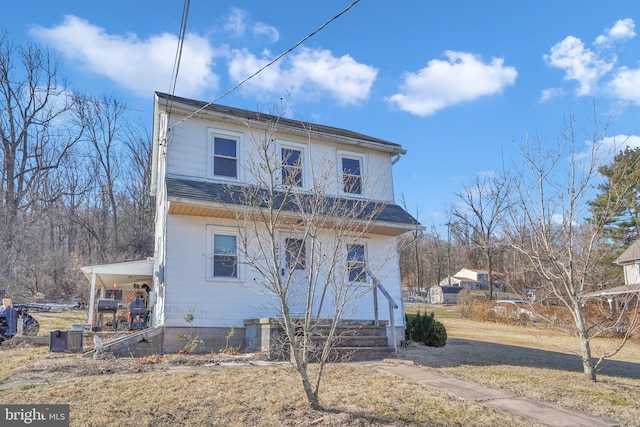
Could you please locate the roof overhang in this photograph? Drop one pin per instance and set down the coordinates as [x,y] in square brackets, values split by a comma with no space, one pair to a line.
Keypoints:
[614,292]
[122,275]
[220,210]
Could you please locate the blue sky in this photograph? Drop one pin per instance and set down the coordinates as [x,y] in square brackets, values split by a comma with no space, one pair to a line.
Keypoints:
[459,84]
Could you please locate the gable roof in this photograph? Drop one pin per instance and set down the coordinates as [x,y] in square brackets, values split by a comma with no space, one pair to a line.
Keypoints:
[214,194]
[632,254]
[221,111]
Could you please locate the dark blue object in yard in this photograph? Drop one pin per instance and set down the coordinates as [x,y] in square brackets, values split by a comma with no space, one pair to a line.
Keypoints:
[10,324]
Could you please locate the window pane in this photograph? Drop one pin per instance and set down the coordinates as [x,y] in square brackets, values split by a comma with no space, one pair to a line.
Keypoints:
[291,167]
[224,167]
[352,184]
[224,147]
[351,176]
[295,254]
[292,176]
[356,263]
[224,266]
[224,256]
[351,166]
[223,244]
[291,157]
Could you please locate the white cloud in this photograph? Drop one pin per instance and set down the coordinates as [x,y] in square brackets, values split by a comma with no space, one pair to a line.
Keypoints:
[236,22]
[588,66]
[579,63]
[622,30]
[314,73]
[261,29]
[550,93]
[142,66]
[606,149]
[462,77]
[625,85]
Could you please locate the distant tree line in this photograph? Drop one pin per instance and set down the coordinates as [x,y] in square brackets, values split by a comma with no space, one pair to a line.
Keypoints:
[555,225]
[498,221]
[74,179]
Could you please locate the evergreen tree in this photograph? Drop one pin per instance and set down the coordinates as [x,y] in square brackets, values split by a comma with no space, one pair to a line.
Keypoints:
[618,202]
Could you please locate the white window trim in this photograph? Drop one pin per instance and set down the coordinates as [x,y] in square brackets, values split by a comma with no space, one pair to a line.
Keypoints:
[212,133]
[363,168]
[212,230]
[304,150]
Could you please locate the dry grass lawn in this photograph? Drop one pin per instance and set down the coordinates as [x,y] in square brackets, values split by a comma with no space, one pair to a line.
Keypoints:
[213,390]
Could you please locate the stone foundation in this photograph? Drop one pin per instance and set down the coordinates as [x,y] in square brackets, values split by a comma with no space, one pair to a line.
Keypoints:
[213,339]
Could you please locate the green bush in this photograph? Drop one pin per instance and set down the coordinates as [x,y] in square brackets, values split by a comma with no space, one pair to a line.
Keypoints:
[425,329]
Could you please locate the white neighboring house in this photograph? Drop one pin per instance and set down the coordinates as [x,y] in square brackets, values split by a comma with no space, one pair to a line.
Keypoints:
[200,151]
[630,262]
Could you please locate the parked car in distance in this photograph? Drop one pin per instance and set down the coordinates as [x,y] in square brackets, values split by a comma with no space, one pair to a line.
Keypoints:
[513,308]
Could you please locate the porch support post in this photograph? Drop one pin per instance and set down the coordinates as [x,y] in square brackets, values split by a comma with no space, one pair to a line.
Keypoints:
[92,298]
[393,327]
[375,303]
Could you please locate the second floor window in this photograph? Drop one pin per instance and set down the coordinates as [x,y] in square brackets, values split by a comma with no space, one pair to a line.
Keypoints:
[351,175]
[225,157]
[291,167]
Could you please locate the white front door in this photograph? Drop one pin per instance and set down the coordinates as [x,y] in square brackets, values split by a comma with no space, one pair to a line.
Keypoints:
[294,272]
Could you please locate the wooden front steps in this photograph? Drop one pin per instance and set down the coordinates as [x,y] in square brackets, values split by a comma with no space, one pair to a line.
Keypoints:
[354,340]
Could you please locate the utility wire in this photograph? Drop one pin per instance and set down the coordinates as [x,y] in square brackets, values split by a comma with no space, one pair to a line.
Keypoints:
[178,57]
[276,59]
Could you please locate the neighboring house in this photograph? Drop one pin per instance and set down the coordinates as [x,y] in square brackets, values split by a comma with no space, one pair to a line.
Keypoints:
[444,294]
[449,281]
[201,155]
[630,262]
[479,279]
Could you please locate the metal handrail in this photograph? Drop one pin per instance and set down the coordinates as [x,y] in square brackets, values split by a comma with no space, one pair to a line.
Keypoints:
[392,305]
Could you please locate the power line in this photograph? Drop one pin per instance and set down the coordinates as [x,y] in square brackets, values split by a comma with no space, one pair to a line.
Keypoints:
[276,59]
[178,57]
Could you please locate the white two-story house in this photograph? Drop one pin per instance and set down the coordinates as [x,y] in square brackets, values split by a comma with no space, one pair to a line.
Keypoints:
[210,162]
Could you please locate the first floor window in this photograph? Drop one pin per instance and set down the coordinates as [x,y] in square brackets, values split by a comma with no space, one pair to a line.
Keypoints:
[225,256]
[356,263]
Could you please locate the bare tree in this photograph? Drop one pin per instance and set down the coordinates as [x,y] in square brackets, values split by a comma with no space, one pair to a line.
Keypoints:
[102,120]
[35,138]
[550,229]
[307,247]
[482,210]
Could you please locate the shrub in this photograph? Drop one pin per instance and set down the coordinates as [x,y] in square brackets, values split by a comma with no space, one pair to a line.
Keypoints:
[425,329]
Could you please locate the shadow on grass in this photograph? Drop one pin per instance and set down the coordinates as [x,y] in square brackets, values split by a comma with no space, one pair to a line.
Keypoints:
[460,352]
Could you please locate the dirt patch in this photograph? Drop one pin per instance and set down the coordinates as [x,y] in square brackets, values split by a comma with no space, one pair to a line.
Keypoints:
[63,367]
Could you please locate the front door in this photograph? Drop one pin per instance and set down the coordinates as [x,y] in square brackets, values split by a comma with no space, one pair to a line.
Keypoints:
[294,273]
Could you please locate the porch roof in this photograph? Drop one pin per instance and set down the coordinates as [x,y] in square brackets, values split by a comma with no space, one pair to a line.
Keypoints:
[213,199]
[121,275]
[612,292]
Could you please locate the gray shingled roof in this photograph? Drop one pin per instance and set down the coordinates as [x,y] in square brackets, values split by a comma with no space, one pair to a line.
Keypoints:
[632,254]
[213,192]
[267,118]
